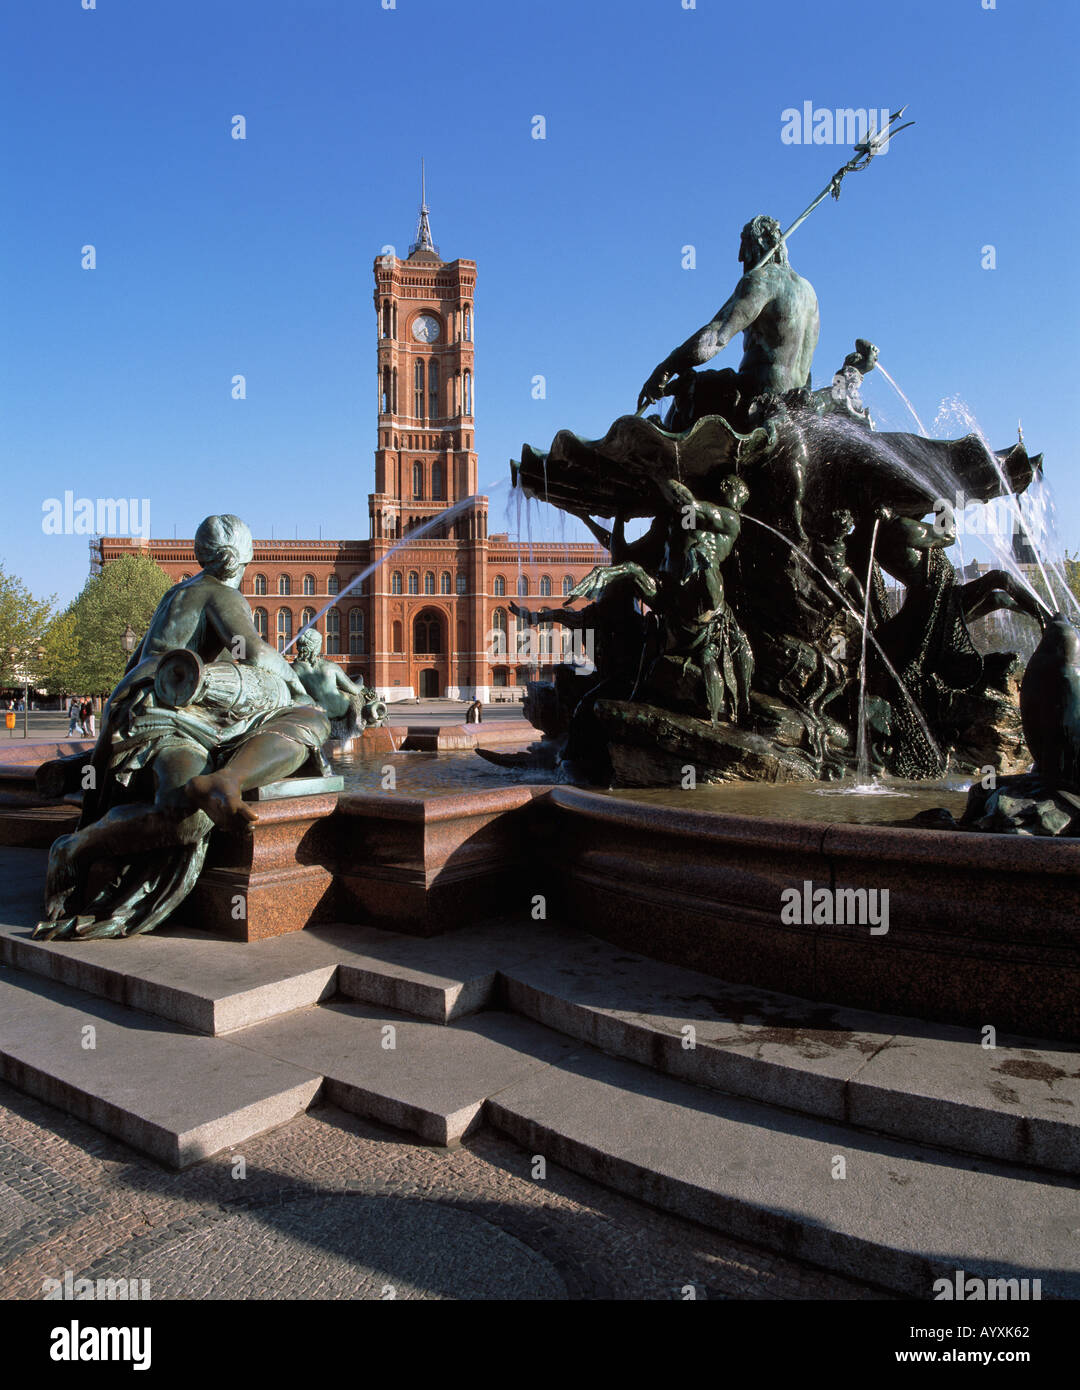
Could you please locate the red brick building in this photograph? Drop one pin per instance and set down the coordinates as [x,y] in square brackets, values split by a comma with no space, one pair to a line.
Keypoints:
[432,617]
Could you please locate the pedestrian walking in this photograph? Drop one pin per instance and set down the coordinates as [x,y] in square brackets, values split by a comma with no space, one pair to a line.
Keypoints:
[73,715]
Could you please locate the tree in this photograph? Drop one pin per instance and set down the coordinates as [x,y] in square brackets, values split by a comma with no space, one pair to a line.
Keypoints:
[60,671]
[23,623]
[84,645]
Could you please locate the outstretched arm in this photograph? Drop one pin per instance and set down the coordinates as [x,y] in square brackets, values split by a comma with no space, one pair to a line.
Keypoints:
[750,297]
[344,683]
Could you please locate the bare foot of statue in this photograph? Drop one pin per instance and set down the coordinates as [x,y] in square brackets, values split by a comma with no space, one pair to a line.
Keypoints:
[220,796]
[63,875]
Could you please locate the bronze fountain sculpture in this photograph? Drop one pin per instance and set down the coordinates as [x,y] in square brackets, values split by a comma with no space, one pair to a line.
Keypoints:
[767,647]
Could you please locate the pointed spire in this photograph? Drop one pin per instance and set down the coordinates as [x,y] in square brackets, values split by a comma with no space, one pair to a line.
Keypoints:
[423,240]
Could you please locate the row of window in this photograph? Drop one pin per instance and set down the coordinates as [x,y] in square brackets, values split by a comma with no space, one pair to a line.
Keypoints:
[284,628]
[438,485]
[397,580]
[460,585]
[427,633]
[499,589]
[426,392]
[429,583]
[284,585]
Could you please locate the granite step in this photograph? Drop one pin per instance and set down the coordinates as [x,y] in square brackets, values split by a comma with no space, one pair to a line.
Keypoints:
[901,1216]
[427,1078]
[443,978]
[169,1093]
[194,978]
[1018,1102]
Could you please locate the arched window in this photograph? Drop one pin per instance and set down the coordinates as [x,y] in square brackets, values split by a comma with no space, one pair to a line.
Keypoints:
[395,582]
[523,586]
[356,632]
[427,633]
[418,480]
[333,584]
[567,584]
[307,617]
[499,588]
[260,583]
[414,582]
[498,633]
[418,389]
[545,586]
[433,389]
[333,633]
[460,583]
[393,401]
[444,582]
[183,577]
[259,617]
[397,643]
[386,400]
[524,639]
[468,325]
[284,584]
[429,583]
[309,584]
[547,639]
[468,394]
[284,627]
[386,318]
[437,490]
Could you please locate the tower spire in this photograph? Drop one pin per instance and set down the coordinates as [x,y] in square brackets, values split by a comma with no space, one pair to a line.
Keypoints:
[423,240]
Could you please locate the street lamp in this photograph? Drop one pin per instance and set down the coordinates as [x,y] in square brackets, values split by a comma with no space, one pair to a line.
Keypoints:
[24,654]
[130,639]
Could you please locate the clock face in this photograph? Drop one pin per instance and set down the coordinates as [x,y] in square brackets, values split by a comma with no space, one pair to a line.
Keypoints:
[425,329]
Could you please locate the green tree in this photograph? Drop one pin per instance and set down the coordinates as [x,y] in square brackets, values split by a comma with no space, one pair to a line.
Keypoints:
[23,623]
[84,646]
[60,670]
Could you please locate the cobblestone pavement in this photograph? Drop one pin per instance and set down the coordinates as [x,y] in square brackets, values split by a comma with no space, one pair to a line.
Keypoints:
[332,1206]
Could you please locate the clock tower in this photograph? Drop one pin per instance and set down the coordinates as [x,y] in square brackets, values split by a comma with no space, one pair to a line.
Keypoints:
[426,464]
[425,460]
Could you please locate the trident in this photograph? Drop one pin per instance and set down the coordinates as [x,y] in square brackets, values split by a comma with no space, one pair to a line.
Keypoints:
[875,142]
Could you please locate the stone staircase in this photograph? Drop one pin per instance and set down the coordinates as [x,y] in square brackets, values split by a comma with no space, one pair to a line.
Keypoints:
[887,1149]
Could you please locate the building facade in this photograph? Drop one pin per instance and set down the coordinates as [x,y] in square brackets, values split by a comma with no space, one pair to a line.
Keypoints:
[421,608]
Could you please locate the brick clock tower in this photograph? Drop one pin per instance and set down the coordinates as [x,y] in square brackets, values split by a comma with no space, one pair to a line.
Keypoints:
[433,618]
[428,608]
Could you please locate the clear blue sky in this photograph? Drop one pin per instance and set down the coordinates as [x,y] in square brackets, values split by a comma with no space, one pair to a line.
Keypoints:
[217,256]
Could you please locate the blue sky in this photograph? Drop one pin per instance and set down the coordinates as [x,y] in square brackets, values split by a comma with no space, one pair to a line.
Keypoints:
[217,256]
